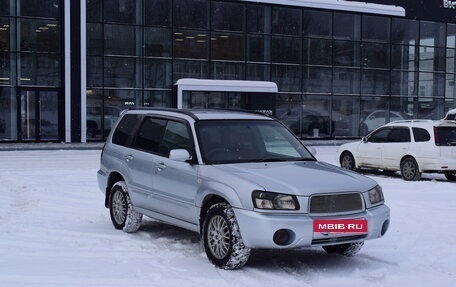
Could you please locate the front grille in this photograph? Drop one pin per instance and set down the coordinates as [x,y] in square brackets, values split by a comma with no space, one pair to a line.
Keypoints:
[336,203]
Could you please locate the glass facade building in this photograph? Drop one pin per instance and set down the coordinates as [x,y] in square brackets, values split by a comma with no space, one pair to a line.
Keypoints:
[341,71]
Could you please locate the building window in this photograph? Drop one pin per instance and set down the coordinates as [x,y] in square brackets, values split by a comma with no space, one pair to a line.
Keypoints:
[403,83]
[227,71]
[43,8]
[376,82]
[157,13]
[122,11]
[317,24]
[227,46]
[286,50]
[40,35]
[287,77]
[258,48]
[39,69]
[122,72]
[404,31]
[346,81]
[190,69]
[317,80]
[258,19]
[317,52]
[432,34]
[375,55]
[376,28]
[128,44]
[227,16]
[157,42]
[191,14]
[346,53]
[286,21]
[157,73]
[190,44]
[403,57]
[347,26]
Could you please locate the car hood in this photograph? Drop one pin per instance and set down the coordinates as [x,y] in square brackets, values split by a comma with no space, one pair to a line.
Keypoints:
[300,178]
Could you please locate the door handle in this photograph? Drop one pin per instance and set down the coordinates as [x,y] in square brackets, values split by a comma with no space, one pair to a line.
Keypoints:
[128,157]
[161,166]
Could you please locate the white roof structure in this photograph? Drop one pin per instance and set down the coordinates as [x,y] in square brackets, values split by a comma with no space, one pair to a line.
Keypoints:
[341,5]
[226,85]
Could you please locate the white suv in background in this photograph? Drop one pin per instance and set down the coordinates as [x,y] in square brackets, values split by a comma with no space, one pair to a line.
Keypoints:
[410,146]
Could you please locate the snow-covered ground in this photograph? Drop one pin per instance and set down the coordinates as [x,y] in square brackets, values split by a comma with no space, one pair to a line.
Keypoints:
[55,231]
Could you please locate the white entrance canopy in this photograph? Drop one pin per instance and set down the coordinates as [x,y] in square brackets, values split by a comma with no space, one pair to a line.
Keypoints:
[222,86]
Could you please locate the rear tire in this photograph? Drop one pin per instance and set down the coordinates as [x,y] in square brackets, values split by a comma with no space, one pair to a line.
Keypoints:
[410,170]
[348,249]
[121,209]
[347,161]
[222,239]
[451,176]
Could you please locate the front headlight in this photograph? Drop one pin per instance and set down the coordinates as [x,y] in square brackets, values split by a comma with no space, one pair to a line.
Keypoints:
[271,200]
[376,195]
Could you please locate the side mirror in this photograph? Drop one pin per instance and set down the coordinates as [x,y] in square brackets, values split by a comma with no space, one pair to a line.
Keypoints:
[181,155]
[364,139]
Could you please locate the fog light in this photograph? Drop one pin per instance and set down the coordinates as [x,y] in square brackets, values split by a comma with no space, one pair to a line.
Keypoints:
[385,226]
[281,237]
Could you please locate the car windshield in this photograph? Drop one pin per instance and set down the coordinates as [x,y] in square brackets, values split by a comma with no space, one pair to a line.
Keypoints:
[235,141]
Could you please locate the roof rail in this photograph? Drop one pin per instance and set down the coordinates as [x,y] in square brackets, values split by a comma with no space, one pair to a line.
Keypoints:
[162,109]
[412,121]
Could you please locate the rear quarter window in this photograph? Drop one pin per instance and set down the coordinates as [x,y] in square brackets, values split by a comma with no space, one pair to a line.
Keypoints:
[421,135]
[123,133]
[445,136]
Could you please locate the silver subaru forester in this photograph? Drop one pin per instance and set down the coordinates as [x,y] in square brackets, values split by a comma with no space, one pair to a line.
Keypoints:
[241,180]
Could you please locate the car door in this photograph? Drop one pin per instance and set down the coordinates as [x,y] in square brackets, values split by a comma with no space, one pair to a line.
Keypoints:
[396,146]
[175,182]
[370,150]
[141,159]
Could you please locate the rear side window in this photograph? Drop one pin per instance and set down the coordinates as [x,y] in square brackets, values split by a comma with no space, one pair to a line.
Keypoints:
[445,136]
[399,135]
[123,133]
[421,135]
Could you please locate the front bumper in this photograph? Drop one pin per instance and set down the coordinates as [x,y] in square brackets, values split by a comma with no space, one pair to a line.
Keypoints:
[258,229]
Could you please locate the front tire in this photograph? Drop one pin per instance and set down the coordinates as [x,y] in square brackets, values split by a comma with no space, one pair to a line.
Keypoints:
[410,170]
[121,209]
[347,161]
[348,249]
[222,239]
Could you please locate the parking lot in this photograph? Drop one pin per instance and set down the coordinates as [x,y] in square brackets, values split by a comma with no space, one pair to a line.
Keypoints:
[56,232]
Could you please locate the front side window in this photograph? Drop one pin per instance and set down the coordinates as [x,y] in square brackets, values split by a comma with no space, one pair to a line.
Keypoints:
[380,135]
[236,141]
[160,136]
[176,136]
[150,134]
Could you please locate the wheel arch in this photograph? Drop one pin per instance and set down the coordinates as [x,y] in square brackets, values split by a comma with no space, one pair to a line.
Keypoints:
[208,201]
[409,156]
[347,151]
[112,179]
